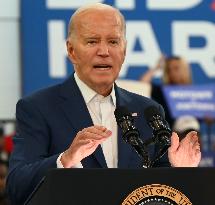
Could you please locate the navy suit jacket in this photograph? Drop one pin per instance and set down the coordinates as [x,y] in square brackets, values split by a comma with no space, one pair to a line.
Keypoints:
[47,122]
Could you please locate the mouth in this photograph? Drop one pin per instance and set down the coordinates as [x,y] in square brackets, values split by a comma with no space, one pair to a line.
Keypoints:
[102,67]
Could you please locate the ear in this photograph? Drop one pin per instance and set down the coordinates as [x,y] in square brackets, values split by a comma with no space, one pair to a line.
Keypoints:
[70,51]
[125,49]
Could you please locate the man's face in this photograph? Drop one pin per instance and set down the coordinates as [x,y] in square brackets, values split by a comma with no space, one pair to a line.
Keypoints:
[98,48]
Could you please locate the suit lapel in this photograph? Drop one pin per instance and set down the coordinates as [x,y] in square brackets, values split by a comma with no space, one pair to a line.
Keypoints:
[77,113]
[124,149]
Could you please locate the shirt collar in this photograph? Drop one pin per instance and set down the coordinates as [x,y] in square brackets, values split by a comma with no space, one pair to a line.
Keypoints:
[88,93]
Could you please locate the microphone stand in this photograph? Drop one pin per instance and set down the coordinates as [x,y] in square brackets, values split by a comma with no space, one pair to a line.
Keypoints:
[131,135]
[140,148]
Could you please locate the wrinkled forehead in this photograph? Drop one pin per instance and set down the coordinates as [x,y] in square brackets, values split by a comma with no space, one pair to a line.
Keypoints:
[95,18]
[100,17]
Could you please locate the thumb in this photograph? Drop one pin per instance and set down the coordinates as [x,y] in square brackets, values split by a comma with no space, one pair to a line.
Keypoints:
[174,142]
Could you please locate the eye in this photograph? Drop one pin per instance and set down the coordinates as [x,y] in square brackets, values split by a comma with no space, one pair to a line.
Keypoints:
[91,42]
[114,42]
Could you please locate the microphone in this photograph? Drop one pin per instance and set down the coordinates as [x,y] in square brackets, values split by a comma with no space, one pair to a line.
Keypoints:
[161,130]
[130,133]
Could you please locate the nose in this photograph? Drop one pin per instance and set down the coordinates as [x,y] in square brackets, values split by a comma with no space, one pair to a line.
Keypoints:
[103,49]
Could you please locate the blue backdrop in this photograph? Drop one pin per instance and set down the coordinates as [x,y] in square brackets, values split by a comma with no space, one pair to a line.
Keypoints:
[176,27]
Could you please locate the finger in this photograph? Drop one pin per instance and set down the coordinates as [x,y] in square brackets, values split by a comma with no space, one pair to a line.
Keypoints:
[174,142]
[195,139]
[97,127]
[197,147]
[189,140]
[99,130]
[80,143]
[96,142]
[198,152]
[94,136]
[94,127]
[191,137]
[90,144]
[85,145]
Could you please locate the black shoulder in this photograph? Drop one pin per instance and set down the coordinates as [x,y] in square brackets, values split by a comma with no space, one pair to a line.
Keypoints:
[43,97]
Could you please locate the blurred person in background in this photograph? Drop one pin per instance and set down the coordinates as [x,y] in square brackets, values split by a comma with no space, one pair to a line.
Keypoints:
[3,173]
[184,124]
[175,71]
[4,155]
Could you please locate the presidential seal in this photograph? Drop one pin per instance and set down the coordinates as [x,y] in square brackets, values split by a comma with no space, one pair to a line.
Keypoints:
[156,194]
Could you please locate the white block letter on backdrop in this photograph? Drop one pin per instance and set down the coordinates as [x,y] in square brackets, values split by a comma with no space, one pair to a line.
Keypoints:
[68,4]
[57,52]
[171,4]
[205,56]
[150,52]
[125,4]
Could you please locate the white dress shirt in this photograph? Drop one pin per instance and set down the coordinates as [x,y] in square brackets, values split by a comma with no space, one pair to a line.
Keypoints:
[101,110]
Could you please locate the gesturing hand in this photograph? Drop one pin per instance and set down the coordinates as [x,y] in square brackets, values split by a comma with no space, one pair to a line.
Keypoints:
[84,144]
[185,153]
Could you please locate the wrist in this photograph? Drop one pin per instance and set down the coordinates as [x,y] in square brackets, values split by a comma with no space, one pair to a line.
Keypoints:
[67,160]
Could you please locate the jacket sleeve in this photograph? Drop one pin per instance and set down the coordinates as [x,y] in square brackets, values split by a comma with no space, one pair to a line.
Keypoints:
[30,159]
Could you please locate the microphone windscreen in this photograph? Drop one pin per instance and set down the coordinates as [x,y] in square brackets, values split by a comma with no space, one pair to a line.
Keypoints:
[121,111]
[150,111]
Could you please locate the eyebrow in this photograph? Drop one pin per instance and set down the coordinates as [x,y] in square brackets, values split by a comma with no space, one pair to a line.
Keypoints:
[98,37]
